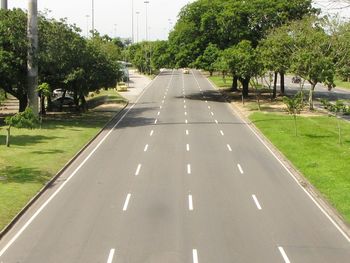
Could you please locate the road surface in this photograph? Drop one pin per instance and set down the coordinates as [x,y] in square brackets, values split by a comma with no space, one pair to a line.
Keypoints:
[178,179]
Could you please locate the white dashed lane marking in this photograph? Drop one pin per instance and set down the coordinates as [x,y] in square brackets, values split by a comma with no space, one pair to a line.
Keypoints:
[189,169]
[151,134]
[146,148]
[190,203]
[111,256]
[240,168]
[126,204]
[195,256]
[138,169]
[222,133]
[229,148]
[256,201]
[284,255]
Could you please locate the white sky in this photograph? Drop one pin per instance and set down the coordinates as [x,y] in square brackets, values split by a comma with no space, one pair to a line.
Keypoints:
[109,13]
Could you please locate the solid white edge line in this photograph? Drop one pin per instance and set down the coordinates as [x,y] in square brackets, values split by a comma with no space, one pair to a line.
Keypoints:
[126,203]
[284,255]
[187,147]
[138,170]
[195,255]
[222,133]
[188,169]
[190,202]
[292,175]
[146,148]
[240,168]
[111,256]
[31,219]
[151,134]
[256,201]
[229,148]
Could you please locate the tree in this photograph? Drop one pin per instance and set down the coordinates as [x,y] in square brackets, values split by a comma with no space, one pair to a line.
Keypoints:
[161,57]
[294,106]
[209,57]
[341,51]
[312,53]
[26,119]
[13,55]
[221,64]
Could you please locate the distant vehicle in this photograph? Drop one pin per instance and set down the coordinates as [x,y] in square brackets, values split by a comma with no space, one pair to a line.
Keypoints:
[296,79]
[186,71]
[59,93]
[67,102]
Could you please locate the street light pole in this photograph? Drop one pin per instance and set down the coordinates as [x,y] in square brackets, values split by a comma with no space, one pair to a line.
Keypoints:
[32,64]
[93,17]
[137,26]
[4,4]
[146,2]
[132,22]
[87,25]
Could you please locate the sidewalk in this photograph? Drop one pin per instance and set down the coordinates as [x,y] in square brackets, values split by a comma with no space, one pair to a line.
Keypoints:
[137,84]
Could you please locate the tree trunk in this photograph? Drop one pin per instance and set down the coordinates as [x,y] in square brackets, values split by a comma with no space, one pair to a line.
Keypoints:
[234,84]
[62,100]
[42,101]
[83,103]
[311,96]
[245,84]
[8,136]
[23,103]
[274,93]
[211,73]
[282,83]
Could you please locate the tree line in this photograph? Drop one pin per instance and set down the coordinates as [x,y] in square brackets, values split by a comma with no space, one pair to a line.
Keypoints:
[250,39]
[66,60]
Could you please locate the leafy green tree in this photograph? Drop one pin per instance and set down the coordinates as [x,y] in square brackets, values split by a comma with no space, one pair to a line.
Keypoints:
[25,119]
[294,106]
[208,59]
[341,51]
[160,55]
[312,53]
[221,64]
[13,55]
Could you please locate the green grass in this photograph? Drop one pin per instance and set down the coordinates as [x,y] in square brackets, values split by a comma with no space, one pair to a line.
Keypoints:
[37,155]
[342,84]
[104,96]
[315,152]
[219,82]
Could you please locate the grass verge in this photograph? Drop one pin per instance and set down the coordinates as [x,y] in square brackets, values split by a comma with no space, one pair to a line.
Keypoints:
[342,84]
[220,82]
[315,152]
[35,156]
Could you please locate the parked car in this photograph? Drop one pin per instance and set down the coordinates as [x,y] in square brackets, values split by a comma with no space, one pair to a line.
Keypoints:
[59,93]
[296,79]
[65,102]
[186,71]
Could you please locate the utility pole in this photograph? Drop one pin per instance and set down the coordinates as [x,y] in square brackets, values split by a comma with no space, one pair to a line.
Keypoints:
[93,17]
[132,22]
[146,2]
[4,4]
[87,25]
[137,26]
[32,64]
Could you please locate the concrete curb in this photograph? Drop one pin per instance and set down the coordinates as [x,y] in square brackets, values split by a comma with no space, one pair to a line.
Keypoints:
[53,179]
[303,182]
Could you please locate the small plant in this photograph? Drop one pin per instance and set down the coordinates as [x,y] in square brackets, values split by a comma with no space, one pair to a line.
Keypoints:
[25,119]
[294,106]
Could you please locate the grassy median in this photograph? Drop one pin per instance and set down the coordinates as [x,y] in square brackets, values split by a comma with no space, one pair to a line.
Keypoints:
[35,156]
[315,152]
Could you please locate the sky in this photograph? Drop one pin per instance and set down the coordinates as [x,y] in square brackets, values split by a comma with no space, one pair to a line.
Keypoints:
[113,17]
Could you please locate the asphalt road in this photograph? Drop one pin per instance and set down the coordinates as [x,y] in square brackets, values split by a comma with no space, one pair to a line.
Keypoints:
[178,179]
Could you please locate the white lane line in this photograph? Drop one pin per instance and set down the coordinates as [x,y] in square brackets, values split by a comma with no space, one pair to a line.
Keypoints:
[162,101]
[158,113]
[240,168]
[185,106]
[212,113]
[160,107]
[42,207]
[138,169]
[209,107]
[126,204]
[256,201]
[206,101]
[184,101]
[186,121]
[185,113]
[111,256]
[284,255]
[216,121]
[195,256]
[187,132]
[164,97]
[188,169]
[146,148]
[187,147]
[151,134]
[190,203]
[222,133]
[155,122]
[229,148]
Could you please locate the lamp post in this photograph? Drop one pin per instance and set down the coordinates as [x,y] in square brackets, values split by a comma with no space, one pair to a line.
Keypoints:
[4,4]
[132,22]
[146,2]
[115,30]
[87,25]
[137,26]
[93,17]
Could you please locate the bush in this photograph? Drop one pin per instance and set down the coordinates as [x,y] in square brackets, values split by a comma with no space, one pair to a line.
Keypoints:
[25,119]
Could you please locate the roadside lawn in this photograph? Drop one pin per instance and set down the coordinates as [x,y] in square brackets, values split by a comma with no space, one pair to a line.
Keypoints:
[219,82]
[342,84]
[35,156]
[315,152]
